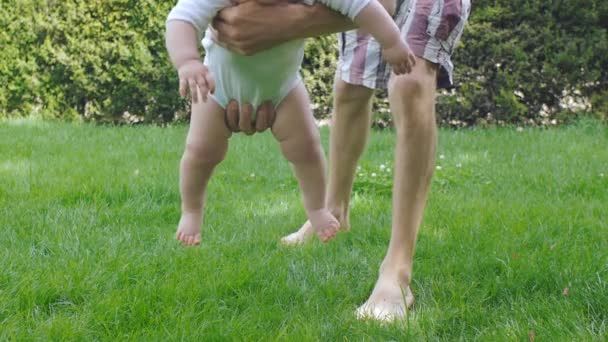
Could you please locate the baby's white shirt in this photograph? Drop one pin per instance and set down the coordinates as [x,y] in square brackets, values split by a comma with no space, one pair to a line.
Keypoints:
[268,75]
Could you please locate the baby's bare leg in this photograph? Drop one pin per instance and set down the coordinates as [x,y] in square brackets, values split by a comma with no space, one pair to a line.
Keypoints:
[206,146]
[298,136]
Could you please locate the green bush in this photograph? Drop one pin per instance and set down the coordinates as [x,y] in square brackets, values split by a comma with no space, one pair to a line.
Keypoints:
[97,59]
[318,71]
[518,62]
[523,61]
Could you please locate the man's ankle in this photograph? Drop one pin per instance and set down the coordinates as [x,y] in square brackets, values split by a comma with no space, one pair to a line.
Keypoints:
[399,273]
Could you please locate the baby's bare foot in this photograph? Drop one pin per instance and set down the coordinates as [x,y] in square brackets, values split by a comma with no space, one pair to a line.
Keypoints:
[324,224]
[189,229]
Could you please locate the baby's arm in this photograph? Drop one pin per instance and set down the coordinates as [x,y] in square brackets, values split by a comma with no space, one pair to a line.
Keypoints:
[185,26]
[389,5]
[371,16]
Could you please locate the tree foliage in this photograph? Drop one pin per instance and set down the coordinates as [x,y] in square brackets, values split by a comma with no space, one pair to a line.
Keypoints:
[531,61]
[518,62]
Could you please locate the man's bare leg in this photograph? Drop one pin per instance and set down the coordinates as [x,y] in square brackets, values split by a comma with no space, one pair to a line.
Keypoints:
[295,129]
[206,147]
[412,100]
[349,132]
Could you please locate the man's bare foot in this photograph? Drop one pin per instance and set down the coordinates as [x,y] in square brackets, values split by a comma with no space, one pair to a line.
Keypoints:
[300,236]
[324,224]
[189,229]
[307,231]
[389,301]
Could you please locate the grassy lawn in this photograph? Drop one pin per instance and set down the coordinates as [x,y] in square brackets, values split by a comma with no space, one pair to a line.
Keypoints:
[514,242]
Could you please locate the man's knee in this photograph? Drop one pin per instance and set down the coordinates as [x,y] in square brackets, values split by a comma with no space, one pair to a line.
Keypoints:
[411,87]
[420,83]
[346,93]
[203,154]
[412,100]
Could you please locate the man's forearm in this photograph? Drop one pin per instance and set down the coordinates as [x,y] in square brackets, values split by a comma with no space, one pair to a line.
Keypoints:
[317,20]
[246,29]
[301,21]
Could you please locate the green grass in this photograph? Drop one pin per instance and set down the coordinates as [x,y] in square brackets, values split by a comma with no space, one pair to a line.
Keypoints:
[88,216]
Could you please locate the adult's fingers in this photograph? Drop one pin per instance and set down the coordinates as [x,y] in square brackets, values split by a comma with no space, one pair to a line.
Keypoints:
[232,116]
[265,116]
[245,122]
[221,31]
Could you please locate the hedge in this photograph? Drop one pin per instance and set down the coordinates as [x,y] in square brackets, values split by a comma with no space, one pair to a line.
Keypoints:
[531,61]
[518,62]
[95,59]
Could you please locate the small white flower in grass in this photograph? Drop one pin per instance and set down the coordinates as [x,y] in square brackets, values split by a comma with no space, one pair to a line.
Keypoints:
[520,129]
[252,175]
[459,165]
[136,172]
[441,156]
[438,167]
[373,174]
[358,168]
[382,166]
[601,175]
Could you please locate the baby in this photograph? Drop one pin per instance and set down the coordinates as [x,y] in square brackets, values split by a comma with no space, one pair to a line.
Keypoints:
[269,75]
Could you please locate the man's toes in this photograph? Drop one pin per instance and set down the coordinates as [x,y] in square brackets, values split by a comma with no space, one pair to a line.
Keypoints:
[292,240]
[377,313]
[287,240]
[191,240]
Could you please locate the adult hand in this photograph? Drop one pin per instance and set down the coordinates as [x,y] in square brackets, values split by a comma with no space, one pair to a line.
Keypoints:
[245,28]
[239,118]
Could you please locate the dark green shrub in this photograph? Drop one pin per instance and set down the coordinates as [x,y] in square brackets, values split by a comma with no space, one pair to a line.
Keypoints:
[97,59]
[530,62]
[518,62]
[318,71]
